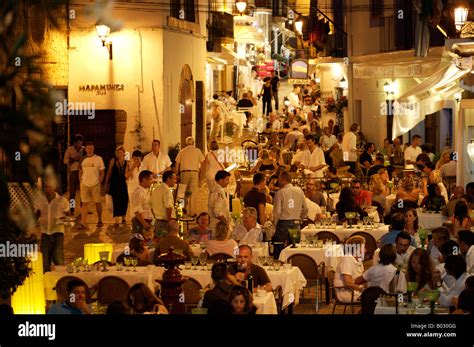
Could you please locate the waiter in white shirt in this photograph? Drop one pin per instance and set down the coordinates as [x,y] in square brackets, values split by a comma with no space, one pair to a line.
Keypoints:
[189,161]
[289,210]
[349,147]
[162,203]
[218,203]
[316,162]
[140,203]
[156,161]
[413,151]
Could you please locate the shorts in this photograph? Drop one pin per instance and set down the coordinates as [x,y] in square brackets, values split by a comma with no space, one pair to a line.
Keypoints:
[91,194]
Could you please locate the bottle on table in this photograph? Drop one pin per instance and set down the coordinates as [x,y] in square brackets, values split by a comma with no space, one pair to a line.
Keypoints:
[250,283]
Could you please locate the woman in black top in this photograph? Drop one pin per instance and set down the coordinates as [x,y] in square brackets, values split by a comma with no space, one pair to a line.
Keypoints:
[267,93]
[265,163]
[347,204]
[116,184]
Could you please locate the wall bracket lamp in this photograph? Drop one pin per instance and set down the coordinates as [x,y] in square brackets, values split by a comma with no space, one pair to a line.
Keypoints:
[241,6]
[103,31]
[388,89]
[458,97]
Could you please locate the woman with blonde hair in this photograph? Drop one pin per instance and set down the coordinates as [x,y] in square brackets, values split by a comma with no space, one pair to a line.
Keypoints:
[444,159]
[437,178]
[264,163]
[116,185]
[407,190]
[221,242]
[214,162]
[379,189]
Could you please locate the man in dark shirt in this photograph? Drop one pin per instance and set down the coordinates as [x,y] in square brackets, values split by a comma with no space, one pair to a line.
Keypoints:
[240,272]
[275,85]
[216,300]
[379,161]
[366,157]
[256,199]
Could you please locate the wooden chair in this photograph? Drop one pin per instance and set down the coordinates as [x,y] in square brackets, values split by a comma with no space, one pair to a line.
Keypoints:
[333,291]
[328,235]
[61,289]
[192,296]
[368,299]
[313,273]
[370,243]
[110,289]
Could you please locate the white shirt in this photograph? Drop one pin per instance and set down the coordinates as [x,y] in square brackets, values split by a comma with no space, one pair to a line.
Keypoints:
[132,181]
[218,205]
[247,237]
[316,159]
[140,202]
[349,146]
[313,209]
[401,260]
[294,99]
[380,276]
[229,247]
[214,159]
[328,141]
[303,157]
[72,152]
[289,204]
[348,265]
[189,158]
[444,192]
[162,199]
[276,125]
[91,167]
[156,164]
[293,136]
[447,294]
[411,153]
[51,212]
[449,169]
[470,260]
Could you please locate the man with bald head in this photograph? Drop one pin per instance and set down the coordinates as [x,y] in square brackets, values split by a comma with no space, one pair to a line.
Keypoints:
[448,210]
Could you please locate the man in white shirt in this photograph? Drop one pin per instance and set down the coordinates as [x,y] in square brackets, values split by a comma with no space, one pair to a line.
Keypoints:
[140,203]
[132,173]
[50,208]
[91,175]
[276,124]
[317,162]
[72,158]
[327,140]
[218,203]
[189,161]
[156,161]
[162,203]
[455,266]
[449,169]
[413,151]
[293,97]
[289,210]
[302,156]
[466,242]
[249,232]
[349,147]
[403,250]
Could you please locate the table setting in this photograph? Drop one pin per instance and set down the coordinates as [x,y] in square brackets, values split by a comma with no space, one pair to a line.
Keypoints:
[328,252]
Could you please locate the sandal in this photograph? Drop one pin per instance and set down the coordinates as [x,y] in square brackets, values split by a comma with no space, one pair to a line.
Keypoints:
[100,225]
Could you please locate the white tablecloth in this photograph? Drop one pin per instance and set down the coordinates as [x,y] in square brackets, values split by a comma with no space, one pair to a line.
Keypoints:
[430,220]
[291,281]
[142,275]
[344,233]
[330,255]
[265,304]
[256,251]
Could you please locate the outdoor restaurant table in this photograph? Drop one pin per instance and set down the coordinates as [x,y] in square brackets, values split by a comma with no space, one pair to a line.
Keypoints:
[265,304]
[120,248]
[256,251]
[344,233]
[145,275]
[430,220]
[329,254]
[291,281]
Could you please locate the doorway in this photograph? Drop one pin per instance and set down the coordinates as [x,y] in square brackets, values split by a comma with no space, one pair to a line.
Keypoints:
[186,99]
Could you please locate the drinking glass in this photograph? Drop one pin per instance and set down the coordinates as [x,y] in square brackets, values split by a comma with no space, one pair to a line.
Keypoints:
[359,224]
[119,266]
[127,263]
[187,265]
[317,224]
[203,260]
[134,263]
[270,262]
[194,261]
[261,260]
[277,265]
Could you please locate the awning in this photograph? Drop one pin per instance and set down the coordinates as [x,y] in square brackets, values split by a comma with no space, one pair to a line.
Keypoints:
[430,96]
[226,57]
[248,34]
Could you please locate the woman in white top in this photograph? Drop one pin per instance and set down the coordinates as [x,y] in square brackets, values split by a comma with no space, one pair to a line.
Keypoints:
[382,274]
[212,164]
[221,242]
[349,268]
[133,170]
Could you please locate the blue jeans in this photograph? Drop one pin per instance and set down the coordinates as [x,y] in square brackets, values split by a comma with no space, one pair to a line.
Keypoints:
[282,235]
[52,247]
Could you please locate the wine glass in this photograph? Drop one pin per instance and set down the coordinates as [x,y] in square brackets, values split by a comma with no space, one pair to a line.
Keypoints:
[134,263]
[270,263]
[127,263]
[203,260]
[194,261]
